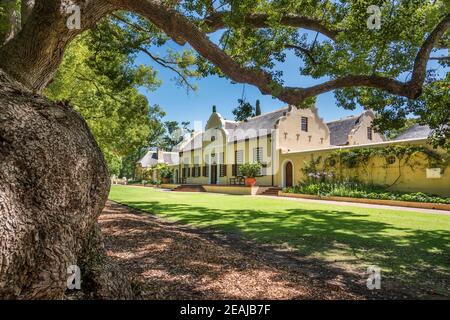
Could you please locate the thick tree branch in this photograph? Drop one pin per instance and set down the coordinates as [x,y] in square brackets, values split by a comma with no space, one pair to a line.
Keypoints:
[440,58]
[173,23]
[216,22]
[420,63]
[34,55]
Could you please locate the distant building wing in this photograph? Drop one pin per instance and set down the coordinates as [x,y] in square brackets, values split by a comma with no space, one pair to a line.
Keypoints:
[416,131]
[340,130]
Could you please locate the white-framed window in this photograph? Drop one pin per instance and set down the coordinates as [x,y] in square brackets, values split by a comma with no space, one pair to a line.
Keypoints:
[239,156]
[369,133]
[258,154]
[304,124]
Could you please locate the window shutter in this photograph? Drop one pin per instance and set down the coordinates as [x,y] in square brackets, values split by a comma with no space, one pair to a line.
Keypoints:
[223,170]
[233,170]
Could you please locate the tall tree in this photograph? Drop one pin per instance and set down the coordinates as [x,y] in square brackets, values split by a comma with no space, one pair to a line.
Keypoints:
[243,111]
[118,116]
[55,204]
[257,108]
[175,132]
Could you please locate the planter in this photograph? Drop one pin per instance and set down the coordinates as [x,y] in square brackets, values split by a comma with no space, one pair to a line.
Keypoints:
[250,182]
[166,180]
[398,203]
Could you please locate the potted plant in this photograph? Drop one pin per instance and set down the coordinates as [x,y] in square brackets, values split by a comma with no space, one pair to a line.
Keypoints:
[165,173]
[250,171]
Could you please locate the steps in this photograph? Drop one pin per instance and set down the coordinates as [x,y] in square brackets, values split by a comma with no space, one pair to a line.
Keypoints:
[271,192]
[189,188]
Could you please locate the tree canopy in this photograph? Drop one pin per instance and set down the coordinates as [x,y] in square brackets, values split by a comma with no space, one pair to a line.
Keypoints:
[381,68]
[99,77]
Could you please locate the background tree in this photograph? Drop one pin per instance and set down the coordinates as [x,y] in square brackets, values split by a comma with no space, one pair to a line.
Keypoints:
[175,132]
[54,200]
[257,108]
[243,111]
[433,109]
[117,114]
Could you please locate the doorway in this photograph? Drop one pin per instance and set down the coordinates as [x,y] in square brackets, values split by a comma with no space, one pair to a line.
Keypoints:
[288,174]
[214,174]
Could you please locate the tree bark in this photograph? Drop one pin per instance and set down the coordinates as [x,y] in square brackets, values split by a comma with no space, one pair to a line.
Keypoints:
[53,186]
[33,56]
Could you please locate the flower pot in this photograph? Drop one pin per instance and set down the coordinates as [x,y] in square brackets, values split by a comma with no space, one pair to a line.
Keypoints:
[250,182]
[166,180]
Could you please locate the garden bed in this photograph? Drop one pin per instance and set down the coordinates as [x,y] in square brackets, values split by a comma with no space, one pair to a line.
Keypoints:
[399,203]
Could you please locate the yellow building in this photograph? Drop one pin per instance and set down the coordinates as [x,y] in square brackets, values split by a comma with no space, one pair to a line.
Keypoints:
[285,140]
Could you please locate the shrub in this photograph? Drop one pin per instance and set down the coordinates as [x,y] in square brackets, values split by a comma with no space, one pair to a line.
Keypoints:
[359,190]
[165,171]
[250,170]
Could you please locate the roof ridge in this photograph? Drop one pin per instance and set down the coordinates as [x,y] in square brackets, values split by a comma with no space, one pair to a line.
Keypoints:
[267,113]
[346,118]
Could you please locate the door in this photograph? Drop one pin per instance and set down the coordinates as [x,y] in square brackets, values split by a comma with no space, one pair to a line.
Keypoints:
[288,174]
[213,174]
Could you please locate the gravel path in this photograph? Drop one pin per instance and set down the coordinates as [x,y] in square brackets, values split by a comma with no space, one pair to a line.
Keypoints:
[172,261]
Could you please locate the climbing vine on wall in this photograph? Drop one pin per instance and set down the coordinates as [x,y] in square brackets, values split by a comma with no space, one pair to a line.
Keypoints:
[402,155]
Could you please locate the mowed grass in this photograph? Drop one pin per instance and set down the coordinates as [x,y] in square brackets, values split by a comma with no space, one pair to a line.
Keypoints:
[411,248]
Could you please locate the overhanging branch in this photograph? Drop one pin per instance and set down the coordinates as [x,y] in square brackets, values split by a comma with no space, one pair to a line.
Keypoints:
[178,26]
[216,22]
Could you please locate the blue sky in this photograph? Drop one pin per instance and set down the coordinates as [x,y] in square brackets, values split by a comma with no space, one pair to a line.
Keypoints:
[196,106]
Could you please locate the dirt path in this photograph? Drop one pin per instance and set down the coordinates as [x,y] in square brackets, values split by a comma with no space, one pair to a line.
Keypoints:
[172,261]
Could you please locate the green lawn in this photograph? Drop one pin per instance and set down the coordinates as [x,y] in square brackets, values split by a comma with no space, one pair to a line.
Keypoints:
[410,247]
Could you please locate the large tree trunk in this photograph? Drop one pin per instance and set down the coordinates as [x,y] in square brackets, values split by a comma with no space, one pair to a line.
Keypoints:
[33,56]
[53,186]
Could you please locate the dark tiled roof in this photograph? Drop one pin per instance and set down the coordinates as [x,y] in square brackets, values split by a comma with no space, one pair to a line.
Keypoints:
[340,129]
[230,124]
[194,142]
[416,131]
[171,158]
[256,126]
[150,159]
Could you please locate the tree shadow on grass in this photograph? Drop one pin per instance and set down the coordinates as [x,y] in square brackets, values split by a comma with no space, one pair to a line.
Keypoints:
[414,263]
